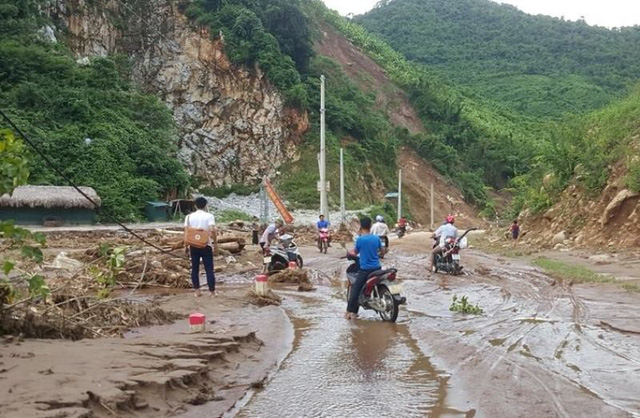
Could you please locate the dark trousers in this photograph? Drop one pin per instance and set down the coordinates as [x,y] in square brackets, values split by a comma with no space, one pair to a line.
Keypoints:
[352,305]
[206,254]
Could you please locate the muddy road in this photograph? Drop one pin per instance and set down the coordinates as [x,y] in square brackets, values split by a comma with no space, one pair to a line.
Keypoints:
[541,348]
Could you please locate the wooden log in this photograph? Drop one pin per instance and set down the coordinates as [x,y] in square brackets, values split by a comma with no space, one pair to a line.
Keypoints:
[230,238]
[232,247]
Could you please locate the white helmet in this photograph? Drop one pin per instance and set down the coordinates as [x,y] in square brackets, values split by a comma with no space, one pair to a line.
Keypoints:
[379,218]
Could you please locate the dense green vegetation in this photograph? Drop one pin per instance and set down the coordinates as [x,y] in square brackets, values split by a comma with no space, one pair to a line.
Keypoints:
[272,34]
[277,36]
[367,136]
[534,65]
[584,150]
[93,124]
[465,139]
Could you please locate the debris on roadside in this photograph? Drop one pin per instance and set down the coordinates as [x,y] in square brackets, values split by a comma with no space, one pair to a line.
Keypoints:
[300,277]
[79,317]
[270,298]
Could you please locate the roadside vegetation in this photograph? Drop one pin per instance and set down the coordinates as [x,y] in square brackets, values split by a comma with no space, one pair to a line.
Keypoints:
[564,271]
[231,215]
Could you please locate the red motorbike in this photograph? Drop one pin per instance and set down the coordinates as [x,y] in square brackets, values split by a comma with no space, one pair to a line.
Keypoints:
[323,240]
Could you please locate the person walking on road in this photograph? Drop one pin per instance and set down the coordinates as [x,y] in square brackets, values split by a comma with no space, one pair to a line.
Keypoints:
[203,221]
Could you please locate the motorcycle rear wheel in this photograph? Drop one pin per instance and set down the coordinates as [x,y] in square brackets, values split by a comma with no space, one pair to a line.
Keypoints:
[393,306]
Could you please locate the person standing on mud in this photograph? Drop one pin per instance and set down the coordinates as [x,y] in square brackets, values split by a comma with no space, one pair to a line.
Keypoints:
[515,232]
[367,247]
[201,219]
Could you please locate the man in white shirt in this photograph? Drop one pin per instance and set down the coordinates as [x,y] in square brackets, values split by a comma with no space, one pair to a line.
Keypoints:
[202,219]
[381,229]
[444,231]
[270,233]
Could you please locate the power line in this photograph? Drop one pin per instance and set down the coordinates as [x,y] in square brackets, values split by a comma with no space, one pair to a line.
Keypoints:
[57,169]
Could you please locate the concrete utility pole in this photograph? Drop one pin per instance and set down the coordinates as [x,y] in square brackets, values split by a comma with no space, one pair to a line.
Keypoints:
[432,198]
[264,202]
[323,177]
[399,194]
[342,214]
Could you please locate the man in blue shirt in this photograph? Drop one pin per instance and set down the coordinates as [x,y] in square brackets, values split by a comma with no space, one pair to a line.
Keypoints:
[324,224]
[367,247]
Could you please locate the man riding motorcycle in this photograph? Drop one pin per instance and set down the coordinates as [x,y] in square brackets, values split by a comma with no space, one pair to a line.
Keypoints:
[367,247]
[324,224]
[402,226]
[381,229]
[444,231]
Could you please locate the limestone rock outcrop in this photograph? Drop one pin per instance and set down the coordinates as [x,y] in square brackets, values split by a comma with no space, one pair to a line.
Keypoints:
[233,124]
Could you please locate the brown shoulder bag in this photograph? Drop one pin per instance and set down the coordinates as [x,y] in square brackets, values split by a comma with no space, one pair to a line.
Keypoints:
[196,238]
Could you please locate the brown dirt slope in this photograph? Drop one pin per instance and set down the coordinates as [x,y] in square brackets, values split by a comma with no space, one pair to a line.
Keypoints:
[369,76]
[417,177]
[612,219]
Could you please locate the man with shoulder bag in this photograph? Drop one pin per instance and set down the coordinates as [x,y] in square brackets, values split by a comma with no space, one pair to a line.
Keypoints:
[200,236]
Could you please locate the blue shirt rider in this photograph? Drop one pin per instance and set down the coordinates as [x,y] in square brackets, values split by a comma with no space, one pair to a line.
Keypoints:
[367,247]
[324,224]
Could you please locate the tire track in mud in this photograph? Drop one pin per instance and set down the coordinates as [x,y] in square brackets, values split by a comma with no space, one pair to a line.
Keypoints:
[543,303]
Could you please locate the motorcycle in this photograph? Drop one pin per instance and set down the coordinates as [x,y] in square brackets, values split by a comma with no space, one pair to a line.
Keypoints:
[323,240]
[402,230]
[384,249]
[381,293]
[449,260]
[277,257]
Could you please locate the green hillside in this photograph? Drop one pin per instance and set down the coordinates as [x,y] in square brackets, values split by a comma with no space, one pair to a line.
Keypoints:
[535,65]
[59,103]
[584,150]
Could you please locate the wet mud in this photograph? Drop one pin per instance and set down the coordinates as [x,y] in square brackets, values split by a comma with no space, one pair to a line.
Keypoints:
[540,349]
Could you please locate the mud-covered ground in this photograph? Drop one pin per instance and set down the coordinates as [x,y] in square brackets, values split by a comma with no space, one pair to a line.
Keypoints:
[158,371]
[541,348]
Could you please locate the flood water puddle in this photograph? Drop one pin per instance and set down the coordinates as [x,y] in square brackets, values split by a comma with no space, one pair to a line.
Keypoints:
[341,368]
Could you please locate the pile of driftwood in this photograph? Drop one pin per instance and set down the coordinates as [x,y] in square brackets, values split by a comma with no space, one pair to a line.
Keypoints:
[228,243]
[77,317]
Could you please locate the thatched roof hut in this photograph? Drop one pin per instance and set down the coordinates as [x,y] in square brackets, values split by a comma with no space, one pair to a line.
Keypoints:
[50,197]
[49,205]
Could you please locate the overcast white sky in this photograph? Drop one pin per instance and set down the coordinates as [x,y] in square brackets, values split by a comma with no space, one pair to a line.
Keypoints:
[610,13]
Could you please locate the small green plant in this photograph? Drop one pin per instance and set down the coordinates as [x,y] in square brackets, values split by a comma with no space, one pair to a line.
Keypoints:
[30,245]
[631,287]
[462,305]
[106,275]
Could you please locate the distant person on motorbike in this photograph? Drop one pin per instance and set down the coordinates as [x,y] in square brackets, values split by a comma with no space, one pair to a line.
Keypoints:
[444,231]
[402,225]
[270,233]
[324,224]
[381,229]
[367,247]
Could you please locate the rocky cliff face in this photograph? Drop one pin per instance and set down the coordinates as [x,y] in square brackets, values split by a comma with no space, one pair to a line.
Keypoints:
[234,126]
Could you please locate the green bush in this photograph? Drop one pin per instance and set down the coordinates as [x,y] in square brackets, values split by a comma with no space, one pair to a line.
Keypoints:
[231,215]
[632,179]
[224,191]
